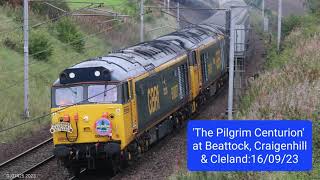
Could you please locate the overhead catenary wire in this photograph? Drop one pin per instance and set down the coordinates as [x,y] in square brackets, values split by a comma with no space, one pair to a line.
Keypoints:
[93,34]
[17,83]
[70,43]
[47,21]
[75,104]
[64,108]
[81,2]
[193,24]
[64,44]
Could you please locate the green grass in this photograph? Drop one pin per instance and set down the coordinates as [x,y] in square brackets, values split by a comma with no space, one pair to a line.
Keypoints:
[105,3]
[287,89]
[123,6]
[41,76]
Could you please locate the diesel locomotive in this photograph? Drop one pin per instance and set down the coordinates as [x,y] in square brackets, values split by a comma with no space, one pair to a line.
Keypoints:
[108,110]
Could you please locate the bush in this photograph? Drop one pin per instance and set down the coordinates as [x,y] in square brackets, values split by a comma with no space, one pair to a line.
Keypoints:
[291,23]
[40,46]
[2,2]
[9,43]
[45,10]
[314,6]
[69,33]
[13,3]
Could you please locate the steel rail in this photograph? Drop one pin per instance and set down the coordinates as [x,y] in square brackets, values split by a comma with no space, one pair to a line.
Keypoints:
[25,152]
[21,175]
[81,172]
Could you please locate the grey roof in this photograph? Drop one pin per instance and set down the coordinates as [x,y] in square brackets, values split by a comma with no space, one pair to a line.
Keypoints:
[136,60]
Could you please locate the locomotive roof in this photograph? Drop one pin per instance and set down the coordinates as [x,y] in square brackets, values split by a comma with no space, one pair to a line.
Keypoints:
[141,58]
[194,36]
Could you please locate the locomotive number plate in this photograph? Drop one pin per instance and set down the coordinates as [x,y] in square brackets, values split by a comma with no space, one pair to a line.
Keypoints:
[61,127]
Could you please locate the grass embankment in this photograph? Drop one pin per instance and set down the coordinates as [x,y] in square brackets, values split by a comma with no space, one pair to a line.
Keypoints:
[41,73]
[123,6]
[288,89]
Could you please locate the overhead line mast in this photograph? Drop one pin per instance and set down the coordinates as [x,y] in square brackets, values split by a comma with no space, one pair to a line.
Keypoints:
[141,20]
[279,24]
[231,63]
[26,56]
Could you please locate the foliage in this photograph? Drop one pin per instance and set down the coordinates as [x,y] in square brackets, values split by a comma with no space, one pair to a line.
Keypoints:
[307,23]
[289,89]
[314,6]
[290,23]
[13,3]
[2,2]
[9,43]
[255,3]
[42,73]
[128,7]
[69,33]
[40,46]
[44,9]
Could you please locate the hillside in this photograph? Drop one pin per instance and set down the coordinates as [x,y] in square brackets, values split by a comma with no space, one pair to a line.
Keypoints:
[288,88]
[94,39]
[42,73]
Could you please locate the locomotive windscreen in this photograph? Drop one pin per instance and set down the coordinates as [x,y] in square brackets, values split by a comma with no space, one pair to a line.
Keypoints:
[110,93]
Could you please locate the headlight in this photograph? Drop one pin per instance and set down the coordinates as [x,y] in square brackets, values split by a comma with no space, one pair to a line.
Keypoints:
[72,75]
[97,73]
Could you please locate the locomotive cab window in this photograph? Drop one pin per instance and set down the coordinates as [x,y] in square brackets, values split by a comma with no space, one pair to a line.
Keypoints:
[87,94]
[68,96]
[102,93]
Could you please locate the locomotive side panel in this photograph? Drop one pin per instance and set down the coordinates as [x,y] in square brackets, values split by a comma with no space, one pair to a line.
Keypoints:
[213,62]
[161,93]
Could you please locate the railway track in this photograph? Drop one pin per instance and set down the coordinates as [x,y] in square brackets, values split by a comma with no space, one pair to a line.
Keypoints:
[81,172]
[22,165]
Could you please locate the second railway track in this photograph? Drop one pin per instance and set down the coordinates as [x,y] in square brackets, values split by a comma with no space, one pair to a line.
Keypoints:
[22,165]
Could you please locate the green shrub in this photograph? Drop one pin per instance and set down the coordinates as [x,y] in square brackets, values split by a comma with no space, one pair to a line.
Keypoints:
[314,6]
[291,23]
[46,10]
[9,43]
[2,2]
[69,33]
[40,46]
